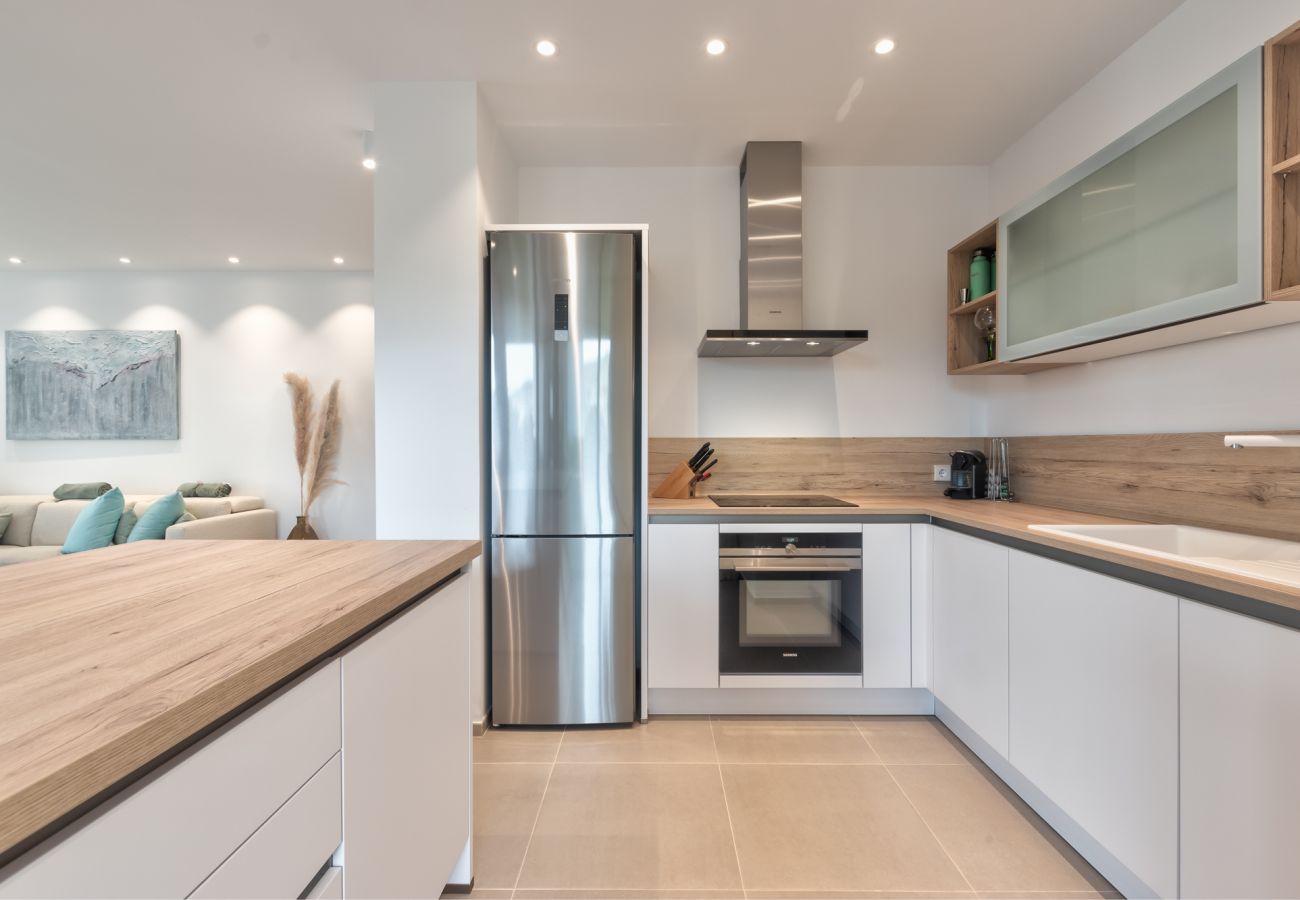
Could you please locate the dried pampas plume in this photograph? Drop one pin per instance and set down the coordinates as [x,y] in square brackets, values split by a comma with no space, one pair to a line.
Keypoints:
[325,448]
[316,438]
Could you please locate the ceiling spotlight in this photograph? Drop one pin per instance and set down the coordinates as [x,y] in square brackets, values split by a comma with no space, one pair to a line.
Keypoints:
[15,261]
[367,149]
[751,343]
[546,48]
[124,260]
[716,47]
[233,260]
[338,260]
[812,343]
[884,45]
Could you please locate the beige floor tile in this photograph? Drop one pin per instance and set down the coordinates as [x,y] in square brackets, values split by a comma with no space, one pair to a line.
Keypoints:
[998,842]
[862,895]
[479,894]
[512,745]
[629,895]
[912,740]
[773,740]
[661,740]
[607,827]
[506,800]
[1049,895]
[832,828]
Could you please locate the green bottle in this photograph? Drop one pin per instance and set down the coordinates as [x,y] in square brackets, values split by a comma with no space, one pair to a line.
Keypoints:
[980,279]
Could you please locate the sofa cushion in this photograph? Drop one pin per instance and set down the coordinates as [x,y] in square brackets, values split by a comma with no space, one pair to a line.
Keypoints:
[11,555]
[125,524]
[244,504]
[23,509]
[202,507]
[161,515]
[54,520]
[95,525]
[4,522]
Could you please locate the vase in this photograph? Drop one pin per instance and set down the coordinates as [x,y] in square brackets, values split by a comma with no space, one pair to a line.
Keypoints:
[303,531]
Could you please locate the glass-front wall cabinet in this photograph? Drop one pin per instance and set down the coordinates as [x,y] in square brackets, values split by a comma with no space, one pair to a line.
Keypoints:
[1160,227]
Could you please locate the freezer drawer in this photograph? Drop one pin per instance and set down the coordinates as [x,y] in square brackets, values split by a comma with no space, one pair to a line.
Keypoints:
[563,636]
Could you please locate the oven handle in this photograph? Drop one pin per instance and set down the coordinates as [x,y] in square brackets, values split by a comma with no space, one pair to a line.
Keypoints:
[762,565]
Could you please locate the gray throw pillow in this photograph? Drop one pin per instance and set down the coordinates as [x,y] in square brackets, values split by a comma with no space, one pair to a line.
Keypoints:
[124,526]
[5,519]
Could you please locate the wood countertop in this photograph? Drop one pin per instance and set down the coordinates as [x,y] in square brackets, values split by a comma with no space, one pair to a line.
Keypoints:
[1012,520]
[112,659]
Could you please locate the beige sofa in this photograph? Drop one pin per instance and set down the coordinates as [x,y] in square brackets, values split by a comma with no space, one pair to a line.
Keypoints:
[41,524]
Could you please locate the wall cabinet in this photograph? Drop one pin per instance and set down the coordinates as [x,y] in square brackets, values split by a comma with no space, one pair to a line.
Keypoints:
[683,606]
[1240,740]
[969,609]
[1094,708]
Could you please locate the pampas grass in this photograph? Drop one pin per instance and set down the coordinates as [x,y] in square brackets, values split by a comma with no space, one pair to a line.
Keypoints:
[316,438]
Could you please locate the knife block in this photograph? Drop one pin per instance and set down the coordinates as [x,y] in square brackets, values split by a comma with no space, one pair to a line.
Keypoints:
[677,486]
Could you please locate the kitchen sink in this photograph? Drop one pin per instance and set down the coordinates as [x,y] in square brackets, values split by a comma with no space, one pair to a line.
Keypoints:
[1259,557]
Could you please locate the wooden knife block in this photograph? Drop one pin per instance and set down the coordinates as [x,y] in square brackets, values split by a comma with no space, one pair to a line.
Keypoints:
[677,486]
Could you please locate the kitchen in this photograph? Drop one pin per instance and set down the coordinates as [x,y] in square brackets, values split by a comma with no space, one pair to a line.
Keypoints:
[876,478]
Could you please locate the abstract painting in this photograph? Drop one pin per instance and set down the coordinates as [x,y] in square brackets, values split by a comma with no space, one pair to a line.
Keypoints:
[91,385]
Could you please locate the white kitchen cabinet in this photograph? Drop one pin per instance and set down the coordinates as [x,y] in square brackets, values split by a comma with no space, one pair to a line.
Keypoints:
[1240,731]
[683,606]
[406,750]
[886,606]
[164,835]
[1094,708]
[969,632]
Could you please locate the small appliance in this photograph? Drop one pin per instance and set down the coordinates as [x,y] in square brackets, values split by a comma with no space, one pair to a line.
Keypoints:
[966,475]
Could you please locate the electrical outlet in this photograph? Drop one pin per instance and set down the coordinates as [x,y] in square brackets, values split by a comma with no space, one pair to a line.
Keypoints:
[942,473]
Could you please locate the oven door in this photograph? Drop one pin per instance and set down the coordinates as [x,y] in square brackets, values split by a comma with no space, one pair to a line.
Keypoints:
[790,616]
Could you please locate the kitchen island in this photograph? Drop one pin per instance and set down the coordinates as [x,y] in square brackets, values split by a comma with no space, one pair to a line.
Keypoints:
[129,670]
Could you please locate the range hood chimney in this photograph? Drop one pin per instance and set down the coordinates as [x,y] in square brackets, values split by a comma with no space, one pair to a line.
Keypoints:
[771,262]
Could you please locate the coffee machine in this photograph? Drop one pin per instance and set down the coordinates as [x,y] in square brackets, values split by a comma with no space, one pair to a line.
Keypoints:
[967,475]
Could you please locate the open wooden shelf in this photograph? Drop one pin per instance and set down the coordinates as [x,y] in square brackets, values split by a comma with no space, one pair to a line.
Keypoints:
[969,309]
[1282,166]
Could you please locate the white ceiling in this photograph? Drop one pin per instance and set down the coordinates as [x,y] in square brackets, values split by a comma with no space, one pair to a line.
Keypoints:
[179,132]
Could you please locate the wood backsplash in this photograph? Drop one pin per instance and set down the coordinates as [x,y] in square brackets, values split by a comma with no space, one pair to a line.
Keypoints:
[1186,478]
[848,465]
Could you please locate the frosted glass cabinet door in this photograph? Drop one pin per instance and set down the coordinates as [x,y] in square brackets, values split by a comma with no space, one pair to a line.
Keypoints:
[1160,227]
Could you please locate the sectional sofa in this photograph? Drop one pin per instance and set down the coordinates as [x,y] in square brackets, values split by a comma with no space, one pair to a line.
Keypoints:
[40,524]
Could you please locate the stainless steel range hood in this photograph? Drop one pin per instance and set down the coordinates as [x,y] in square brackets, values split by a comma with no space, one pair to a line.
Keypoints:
[771,263]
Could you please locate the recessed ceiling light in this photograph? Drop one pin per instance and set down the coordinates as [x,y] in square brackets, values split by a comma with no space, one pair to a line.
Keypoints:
[813,343]
[124,260]
[716,47]
[15,261]
[546,48]
[751,343]
[338,260]
[884,45]
[233,260]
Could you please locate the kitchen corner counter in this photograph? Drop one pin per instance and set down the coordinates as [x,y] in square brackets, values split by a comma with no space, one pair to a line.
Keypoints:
[116,659]
[1009,523]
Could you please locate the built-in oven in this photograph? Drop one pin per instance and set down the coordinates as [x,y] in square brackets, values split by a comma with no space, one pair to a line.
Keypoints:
[790,603]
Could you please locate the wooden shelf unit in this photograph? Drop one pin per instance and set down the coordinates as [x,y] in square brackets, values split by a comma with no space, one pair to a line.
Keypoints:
[966,346]
[1282,166]
[974,306]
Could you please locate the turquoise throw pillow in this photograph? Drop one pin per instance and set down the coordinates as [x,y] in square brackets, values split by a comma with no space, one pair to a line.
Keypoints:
[161,515]
[96,523]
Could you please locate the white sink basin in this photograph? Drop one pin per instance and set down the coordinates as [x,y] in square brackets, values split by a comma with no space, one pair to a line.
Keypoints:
[1266,558]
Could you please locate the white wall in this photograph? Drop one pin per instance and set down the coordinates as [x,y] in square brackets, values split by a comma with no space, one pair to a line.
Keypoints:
[1237,383]
[239,333]
[874,244]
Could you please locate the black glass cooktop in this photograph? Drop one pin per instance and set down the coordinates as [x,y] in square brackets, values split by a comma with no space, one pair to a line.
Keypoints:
[796,500]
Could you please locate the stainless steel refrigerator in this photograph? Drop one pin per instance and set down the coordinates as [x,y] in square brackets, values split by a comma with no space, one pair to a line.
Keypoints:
[563,437]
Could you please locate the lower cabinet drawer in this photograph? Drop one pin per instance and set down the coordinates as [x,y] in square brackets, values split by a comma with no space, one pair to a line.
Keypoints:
[164,835]
[282,857]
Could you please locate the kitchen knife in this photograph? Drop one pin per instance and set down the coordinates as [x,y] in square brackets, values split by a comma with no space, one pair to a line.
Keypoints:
[702,460]
[702,469]
[699,456]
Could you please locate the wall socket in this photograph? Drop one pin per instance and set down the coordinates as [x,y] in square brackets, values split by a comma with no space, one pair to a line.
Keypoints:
[942,473]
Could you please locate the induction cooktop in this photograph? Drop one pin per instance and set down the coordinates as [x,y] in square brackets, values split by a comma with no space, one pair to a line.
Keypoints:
[764,500]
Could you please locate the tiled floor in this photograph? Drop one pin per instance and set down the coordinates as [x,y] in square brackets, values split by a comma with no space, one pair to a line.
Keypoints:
[762,807]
